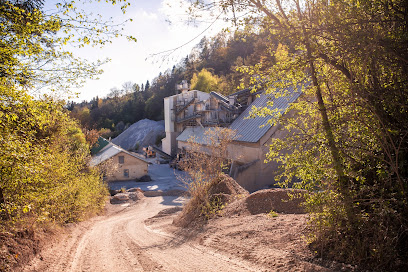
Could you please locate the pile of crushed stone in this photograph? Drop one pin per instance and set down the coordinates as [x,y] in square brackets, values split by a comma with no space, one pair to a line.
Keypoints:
[141,134]
[227,185]
[237,201]
[264,201]
[135,194]
[226,190]
[131,195]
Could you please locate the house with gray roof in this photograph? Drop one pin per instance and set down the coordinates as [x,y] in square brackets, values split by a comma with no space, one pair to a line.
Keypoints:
[127,165]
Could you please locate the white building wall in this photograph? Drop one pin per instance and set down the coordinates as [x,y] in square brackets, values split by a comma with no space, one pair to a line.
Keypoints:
[169,144]
[202,96]
[169,126]
[168,114]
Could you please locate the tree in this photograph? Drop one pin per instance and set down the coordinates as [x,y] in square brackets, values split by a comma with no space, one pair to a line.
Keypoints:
[39,141]
[136,88]
[205,81]
[114,93]
[190,68]
[127,87]
[44,170]
[147,85]
[346,138]
[33,43]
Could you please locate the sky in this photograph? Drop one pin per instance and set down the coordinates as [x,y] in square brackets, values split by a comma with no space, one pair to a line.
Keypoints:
[133,61]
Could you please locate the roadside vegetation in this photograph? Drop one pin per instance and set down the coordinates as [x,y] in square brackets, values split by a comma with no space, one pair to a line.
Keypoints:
[205,164]
[45,180]
[347,137]
[44,163]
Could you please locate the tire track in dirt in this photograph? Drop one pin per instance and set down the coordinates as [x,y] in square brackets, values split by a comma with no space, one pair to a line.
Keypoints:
[174,253]
[106,248]
[122,242]
[59,260]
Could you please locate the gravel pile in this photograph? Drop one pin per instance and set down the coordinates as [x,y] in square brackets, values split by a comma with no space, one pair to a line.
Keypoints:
[264,201]
[131,195]
[141,134]
[222,191]
[227,185]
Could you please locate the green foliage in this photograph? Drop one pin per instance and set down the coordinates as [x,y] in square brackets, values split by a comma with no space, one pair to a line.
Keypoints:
[33,43]
[205,81]
[346,138]
[44,174]
[272,214]
[212,207]
[43,169]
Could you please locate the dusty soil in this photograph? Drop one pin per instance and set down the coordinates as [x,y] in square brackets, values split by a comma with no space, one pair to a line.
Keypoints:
[140,236]
[122,241]
[273,243]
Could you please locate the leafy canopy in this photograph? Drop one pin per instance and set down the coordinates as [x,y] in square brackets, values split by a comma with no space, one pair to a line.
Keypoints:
[35,43]
[44,172]
[346,138]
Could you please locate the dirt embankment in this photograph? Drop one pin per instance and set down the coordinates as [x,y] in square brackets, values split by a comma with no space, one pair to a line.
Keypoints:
[18,246]
[268,228]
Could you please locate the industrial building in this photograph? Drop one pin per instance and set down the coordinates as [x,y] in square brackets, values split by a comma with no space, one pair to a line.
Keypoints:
[191,113]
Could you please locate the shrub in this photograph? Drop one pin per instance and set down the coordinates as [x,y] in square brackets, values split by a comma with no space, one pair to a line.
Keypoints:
[204,164]
[44,172]
[273,214]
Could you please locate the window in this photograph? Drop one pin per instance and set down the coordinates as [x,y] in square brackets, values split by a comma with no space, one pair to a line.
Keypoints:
[126,173]
[121,159]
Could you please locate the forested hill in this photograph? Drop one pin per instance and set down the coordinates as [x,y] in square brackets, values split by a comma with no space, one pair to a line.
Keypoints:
[211,65]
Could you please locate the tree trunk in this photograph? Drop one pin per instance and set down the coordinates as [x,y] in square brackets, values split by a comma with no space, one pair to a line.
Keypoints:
[325,119]
[342,180]
[1,196]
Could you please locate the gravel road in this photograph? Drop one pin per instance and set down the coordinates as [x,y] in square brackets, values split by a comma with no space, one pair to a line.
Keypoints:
[121,241]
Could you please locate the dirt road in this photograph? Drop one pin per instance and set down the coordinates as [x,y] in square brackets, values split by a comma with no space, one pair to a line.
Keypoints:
[122,241]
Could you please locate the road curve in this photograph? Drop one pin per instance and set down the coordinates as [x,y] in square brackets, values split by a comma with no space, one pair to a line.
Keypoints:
[123,242]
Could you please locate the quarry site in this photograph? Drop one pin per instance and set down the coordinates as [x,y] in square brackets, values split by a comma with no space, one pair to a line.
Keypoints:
[229,135]
[141,230]
[144,228]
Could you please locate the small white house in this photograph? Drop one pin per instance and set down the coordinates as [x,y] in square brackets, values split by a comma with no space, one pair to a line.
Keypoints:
[130,165]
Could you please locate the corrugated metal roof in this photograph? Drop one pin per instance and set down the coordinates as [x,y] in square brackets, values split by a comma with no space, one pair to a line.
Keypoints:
[252,129]
[197,132]
[108,152]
